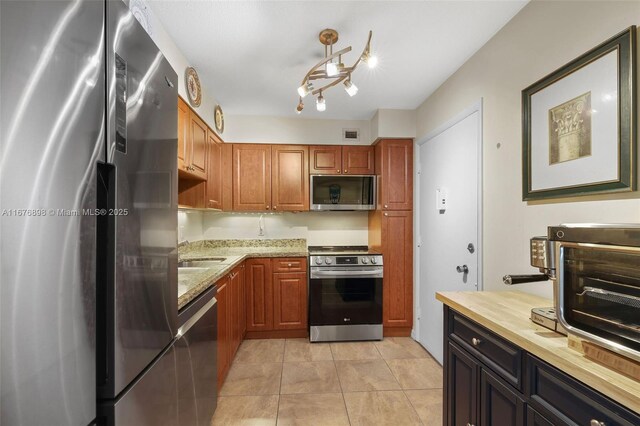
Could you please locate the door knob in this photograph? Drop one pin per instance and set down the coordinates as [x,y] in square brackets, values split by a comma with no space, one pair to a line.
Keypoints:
[463,269]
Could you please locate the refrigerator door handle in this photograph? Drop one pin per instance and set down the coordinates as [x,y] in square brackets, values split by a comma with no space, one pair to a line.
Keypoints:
[105,264]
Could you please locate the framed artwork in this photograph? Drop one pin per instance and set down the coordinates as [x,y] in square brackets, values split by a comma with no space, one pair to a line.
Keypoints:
[579,125]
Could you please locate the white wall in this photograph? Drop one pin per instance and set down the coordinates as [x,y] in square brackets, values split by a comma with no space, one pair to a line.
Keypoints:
[319,228]
[394,123]
[292,130]
[180,63]
[541,38]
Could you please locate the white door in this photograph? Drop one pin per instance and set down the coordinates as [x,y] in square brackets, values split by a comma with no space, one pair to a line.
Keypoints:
[449,214]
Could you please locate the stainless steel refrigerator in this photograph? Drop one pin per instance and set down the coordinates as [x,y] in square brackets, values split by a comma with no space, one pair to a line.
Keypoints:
[88,225]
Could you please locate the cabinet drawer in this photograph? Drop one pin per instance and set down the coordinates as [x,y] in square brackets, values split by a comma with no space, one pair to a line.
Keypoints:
[500,355]
[289,264]
[564,400]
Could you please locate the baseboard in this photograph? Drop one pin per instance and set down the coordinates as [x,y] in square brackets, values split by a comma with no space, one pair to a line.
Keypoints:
[396,332]
[277,334]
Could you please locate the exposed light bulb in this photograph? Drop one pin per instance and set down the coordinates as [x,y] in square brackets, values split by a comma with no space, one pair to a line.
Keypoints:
[332,69]
[305,89]
[372,61]
[351,88]
[320,103]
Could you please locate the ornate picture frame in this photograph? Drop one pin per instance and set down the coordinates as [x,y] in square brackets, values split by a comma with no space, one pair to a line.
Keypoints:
[579,125]
[192,85]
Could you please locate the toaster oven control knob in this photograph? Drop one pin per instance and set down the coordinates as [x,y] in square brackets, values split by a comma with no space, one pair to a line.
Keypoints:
[328,261]
[318,260]
[374,260]
[364,260]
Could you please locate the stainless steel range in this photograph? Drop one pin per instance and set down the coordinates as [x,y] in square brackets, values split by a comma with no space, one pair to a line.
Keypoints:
[345,294]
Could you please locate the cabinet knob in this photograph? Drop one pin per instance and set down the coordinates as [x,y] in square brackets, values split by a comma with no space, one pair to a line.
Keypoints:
[345,170]
[595,422]
[386,214]
[267,207]
[475,341]
[469,424]
[386,206]
[338,170]
[275,207]
[289,265]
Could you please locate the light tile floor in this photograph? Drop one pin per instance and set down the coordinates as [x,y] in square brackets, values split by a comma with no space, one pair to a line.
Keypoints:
[294,382]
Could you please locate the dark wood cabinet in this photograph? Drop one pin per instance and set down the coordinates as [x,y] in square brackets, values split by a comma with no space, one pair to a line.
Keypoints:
[259,294]
[394,168]
[325,160]
[358,160]
[251,177]
[224,343]
[462,390]
[499,403]
[214,171]
[481,388]
[397,252]
[290,301]
[290,177]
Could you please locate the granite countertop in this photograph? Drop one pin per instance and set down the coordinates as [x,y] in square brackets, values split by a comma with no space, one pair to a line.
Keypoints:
[234,252]
[507,313]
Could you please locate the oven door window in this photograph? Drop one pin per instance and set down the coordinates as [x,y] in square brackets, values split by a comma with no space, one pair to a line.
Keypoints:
[602,292]
[345,301]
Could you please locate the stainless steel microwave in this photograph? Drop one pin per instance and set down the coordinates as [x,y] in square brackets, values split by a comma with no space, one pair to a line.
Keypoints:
[342,192]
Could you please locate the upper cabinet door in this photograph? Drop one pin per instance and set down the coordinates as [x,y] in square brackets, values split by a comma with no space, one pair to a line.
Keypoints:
[290,178]
[251,177]
[214,171]
[395,174]
[358,160]
[198,132]
[325,159]
[183,134]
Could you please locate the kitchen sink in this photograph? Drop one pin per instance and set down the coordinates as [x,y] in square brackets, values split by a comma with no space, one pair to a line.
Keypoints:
[202,263]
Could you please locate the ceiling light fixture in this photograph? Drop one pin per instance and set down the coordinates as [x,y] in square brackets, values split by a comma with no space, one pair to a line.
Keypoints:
[300,106]
[331,73]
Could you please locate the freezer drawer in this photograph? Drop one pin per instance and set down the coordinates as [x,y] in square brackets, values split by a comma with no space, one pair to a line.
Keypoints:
[150,400]
[196,350]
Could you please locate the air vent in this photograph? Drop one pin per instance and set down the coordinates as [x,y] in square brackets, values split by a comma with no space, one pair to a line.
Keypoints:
[351,134]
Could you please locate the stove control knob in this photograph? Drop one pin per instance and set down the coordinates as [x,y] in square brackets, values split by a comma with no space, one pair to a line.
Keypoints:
[318,260]
[374,260]
[328,261]
[364,260]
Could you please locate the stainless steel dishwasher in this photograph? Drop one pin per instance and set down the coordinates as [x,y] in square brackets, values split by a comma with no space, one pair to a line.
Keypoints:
[196,360]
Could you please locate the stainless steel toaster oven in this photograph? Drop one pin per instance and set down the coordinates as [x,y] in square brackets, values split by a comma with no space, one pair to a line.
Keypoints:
[597,283]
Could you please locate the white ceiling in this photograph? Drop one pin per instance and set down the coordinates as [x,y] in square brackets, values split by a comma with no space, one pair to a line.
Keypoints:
[254,54]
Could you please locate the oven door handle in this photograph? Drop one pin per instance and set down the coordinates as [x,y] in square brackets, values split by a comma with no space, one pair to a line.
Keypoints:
[378,273]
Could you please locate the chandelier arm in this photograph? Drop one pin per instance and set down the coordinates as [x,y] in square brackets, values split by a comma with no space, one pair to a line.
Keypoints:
[324,61]
[333,83]
[367,48]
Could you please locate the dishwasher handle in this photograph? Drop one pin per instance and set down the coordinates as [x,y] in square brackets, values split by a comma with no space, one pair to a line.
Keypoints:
[195,317]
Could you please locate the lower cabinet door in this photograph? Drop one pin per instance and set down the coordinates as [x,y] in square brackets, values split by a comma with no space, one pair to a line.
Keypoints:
[259,294]
[499,404]
[223,330]
[290,301]
[462,387]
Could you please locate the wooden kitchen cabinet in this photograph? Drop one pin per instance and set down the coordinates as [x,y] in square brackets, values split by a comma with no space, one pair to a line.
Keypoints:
[214,171]
[290,301]
[236,282]
[461,399]
[358,160]
[251,177]
[397,252]
[341,160]
[224,343]
[325,159]
[183,134]
[290,177]
[198,135]
[259,294]
[394,168]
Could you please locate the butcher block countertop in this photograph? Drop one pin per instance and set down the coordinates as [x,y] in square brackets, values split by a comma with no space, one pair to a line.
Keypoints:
[507,313]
